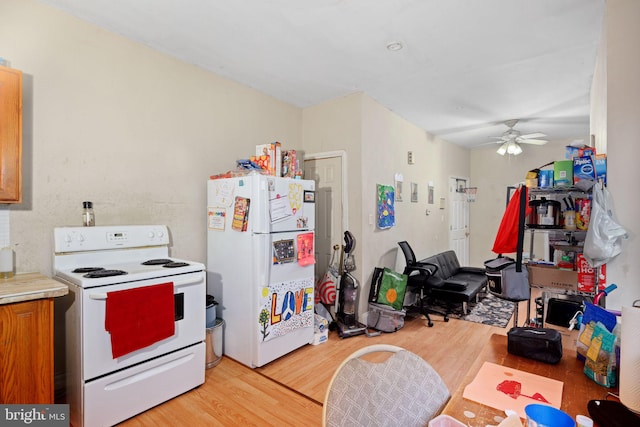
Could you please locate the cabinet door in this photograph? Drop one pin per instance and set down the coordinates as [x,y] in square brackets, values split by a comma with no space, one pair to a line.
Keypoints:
[10,135]
[26,352]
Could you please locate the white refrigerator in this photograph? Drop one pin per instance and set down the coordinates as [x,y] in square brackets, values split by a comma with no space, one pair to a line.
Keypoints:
[260,264]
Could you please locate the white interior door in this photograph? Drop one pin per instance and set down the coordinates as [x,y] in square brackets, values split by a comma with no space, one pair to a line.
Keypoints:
[327,173]
[459,219]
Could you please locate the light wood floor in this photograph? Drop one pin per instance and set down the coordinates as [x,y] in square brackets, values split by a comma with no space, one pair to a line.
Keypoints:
[290,390]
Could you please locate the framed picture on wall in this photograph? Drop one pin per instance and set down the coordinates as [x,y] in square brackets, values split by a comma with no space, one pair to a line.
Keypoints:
[430,191]
[398,191]
[414,192]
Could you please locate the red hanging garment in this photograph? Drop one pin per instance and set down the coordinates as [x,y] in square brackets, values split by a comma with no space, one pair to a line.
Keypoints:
[507,238]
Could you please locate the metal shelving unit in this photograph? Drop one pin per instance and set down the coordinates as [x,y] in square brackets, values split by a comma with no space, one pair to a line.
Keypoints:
[561,239]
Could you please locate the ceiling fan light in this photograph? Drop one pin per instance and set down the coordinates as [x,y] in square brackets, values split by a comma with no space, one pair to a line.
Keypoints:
[514,149]
[503,149]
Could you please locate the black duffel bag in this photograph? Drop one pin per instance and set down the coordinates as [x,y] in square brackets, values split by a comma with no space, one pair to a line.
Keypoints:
[542,344]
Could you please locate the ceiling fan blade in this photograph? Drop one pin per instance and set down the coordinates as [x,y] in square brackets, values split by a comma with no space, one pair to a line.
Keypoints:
[533,135]
[533,141]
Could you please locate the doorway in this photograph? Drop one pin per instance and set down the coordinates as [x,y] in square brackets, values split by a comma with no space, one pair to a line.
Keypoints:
[328,171]
[459,219]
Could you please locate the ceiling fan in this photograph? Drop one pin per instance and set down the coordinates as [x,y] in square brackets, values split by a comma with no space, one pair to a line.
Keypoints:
[511,139]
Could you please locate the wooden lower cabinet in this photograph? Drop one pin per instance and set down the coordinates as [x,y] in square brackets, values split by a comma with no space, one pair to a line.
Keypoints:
[26,352]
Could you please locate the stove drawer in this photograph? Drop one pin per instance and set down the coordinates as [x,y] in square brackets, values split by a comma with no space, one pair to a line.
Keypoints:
[116,397]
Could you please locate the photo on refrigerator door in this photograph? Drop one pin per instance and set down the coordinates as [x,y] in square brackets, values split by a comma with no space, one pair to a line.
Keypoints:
[285,307]
[305,249]
[283,251]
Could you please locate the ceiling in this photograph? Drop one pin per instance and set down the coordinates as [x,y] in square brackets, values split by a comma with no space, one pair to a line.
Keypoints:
[466,66]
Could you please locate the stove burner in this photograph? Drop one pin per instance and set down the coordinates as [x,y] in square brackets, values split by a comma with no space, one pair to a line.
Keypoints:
[175,264]
[87,269]
[104,273]
[159,261]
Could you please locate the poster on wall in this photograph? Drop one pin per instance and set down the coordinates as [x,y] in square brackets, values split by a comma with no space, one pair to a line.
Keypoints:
[386,211]
[285,307]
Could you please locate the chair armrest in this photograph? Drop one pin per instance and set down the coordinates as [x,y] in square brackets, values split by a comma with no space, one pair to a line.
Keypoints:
[457,285]
[422,268]
[432,268]
[477,270]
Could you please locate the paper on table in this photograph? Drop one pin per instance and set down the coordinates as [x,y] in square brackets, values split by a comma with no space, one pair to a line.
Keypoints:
[505,388]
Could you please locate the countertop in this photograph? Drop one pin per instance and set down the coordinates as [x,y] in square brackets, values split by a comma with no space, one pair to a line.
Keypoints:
[30,286]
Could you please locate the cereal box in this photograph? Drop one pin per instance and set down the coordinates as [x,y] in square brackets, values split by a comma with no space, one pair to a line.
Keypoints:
[587,275]
[274,151]
[289,163]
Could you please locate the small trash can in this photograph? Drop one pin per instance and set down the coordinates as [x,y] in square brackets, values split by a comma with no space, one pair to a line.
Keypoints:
[211,310]
[214,338]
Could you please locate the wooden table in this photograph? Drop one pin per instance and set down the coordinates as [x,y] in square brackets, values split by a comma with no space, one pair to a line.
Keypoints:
[578,390]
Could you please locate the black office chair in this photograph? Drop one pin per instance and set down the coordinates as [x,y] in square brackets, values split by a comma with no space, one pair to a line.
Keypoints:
[421,279]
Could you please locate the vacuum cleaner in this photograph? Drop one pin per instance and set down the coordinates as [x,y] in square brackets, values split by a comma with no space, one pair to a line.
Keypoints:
[347,313]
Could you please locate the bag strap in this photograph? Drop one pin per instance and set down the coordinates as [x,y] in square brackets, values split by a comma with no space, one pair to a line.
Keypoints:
[521,219]
[375,283]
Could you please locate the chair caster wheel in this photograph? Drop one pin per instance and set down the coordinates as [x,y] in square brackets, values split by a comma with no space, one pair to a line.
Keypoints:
[430,324]
[446,318]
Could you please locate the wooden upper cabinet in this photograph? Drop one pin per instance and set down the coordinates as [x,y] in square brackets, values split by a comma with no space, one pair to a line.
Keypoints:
[10,135]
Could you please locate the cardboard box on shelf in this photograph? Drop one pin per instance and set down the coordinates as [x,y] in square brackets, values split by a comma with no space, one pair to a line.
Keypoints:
[563,173]
[600,164]
[571,152]
[274,151]
[552,277]
[583,168]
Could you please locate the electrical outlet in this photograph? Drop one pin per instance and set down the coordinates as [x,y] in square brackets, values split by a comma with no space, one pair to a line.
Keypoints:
[410,158]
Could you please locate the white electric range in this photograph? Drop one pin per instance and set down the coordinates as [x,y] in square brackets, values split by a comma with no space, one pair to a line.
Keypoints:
[93,261]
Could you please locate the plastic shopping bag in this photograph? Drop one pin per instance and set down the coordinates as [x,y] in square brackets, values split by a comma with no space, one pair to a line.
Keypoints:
[326,288]
[604,236]
[392,288]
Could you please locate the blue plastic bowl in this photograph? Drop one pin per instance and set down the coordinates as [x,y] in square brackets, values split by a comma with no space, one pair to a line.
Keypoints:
[547,416]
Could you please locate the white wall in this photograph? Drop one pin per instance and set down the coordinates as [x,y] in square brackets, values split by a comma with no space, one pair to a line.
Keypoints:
[377,141]
[622,94]
[134,131]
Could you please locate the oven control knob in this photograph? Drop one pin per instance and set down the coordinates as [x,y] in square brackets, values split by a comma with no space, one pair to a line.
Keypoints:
[68,238]
[151,234]
[80,238]
[160,233]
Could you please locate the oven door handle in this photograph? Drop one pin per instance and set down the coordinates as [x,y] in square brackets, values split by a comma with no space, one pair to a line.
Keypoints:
[103,295]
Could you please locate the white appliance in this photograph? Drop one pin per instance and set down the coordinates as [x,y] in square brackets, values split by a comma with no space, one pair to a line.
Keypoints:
[93,261]
[260,264]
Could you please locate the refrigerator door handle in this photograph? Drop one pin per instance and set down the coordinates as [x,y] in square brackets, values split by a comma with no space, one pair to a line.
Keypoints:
[260,207]
[263,255]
